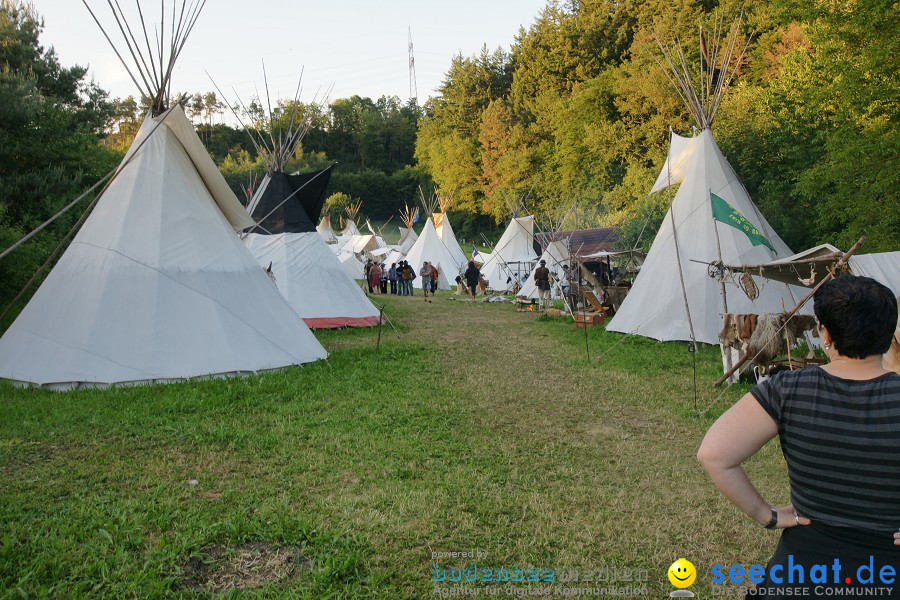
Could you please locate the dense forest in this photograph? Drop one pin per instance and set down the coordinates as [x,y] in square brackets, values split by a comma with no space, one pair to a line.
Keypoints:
[580,107]
[577,110]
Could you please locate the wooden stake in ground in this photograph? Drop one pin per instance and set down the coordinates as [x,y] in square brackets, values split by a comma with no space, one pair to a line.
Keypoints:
[380,321]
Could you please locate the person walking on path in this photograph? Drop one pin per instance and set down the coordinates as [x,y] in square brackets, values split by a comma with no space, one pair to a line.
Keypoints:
[542,281]
[473,276]
[838,425]
[425,273]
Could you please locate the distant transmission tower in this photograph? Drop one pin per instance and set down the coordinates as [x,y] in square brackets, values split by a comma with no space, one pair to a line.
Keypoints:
[413,89]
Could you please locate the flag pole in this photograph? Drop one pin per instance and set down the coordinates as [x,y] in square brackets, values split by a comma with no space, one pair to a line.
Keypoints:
[726,352]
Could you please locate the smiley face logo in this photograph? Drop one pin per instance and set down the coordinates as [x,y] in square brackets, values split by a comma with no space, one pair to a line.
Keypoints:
[682,573]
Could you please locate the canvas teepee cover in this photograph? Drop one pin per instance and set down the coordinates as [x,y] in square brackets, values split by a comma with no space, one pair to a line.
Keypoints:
[306,271]
[445,232]
[513,256]
[655,306]
[408,237]
[674,288]
[429,247]
[156,286]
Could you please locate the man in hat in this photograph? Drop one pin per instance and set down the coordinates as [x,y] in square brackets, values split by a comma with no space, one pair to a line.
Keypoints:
[542,281]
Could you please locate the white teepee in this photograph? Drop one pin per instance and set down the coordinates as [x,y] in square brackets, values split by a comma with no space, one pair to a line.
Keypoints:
[677,265]
[156,286]
[429,247]
[408,237]
[513,257]
[306,271]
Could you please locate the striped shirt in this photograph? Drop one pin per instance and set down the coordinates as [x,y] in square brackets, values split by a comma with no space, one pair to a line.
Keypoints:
[841,440]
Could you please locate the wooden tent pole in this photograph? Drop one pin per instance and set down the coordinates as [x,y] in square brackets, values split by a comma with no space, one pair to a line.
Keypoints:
[839,264]
[380,321]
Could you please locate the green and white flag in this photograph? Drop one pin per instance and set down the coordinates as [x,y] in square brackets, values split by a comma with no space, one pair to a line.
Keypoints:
[726,213]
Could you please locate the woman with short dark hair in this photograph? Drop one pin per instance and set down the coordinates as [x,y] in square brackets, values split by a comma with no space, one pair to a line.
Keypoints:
[839,427]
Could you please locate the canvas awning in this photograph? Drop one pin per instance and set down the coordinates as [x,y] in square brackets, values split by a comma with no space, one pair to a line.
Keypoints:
[808,267]
[637,255]
[804,268]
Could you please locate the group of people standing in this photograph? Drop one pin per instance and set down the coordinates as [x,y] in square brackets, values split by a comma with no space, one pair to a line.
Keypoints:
[399,278]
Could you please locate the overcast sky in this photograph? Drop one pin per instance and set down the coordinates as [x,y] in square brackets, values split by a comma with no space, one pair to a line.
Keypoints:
[359,46]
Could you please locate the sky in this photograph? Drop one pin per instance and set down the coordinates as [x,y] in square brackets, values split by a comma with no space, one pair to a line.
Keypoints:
[357,46]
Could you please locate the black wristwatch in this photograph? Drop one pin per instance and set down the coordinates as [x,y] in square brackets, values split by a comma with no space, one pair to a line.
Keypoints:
[773,521]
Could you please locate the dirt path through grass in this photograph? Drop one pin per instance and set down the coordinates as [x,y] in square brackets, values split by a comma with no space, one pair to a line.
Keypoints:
[598,461]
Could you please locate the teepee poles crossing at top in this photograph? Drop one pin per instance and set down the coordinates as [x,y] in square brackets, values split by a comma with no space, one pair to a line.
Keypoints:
[429,204]
[277,144]
[153,64]
[719,61]
[352,210]
[408,216]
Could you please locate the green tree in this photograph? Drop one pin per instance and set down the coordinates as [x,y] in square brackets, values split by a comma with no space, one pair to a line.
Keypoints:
[334,207]
[50,125]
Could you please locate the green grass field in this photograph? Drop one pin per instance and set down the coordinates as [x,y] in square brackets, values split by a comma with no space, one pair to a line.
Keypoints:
[474,427]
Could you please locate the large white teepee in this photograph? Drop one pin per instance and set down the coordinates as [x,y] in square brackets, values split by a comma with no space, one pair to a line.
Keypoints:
[655,306]
[513,257]
[156,286]
[429,247]
[689,239]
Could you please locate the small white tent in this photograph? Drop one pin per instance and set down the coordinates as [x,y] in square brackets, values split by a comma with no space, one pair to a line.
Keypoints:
[306,271]
[513,257]
[286,239]
[408,237]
